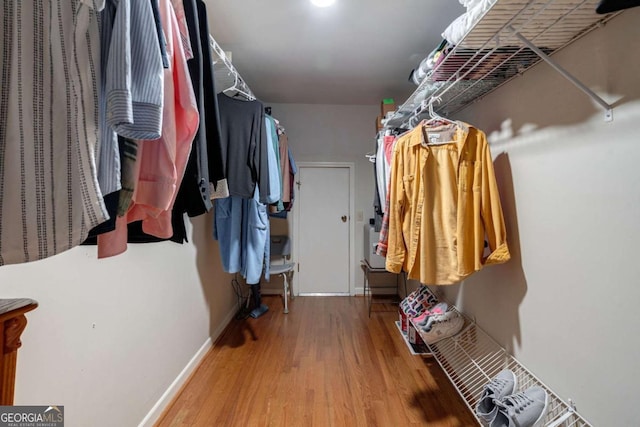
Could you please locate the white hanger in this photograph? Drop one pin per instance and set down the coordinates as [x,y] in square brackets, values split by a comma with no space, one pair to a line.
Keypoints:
[371,157]
[430,125]
[433,116]
[239,85]
[235,83]
[236,87]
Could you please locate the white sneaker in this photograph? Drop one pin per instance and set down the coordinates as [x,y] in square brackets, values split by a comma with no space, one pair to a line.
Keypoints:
[443,326]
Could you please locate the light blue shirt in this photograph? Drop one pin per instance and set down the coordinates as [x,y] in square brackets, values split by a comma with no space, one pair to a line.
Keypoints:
[131,83]
[275,180]
[227,229]
[241,227]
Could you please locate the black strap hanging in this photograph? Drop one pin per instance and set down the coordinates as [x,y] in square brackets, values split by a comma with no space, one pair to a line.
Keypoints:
[608,6]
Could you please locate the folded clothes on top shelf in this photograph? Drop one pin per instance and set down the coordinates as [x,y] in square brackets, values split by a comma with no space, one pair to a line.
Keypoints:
[436,56]
[445,62]
[456,31]
[470,64]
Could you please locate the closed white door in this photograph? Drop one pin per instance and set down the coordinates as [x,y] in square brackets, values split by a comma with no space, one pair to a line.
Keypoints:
[323,232]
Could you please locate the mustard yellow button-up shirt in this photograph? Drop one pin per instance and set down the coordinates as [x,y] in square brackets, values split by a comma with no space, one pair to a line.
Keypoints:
[444,204]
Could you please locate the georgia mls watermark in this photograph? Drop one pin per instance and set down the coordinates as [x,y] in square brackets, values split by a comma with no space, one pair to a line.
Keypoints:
[31,416]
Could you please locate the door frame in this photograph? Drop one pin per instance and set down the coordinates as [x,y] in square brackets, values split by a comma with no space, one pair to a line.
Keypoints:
[352,207]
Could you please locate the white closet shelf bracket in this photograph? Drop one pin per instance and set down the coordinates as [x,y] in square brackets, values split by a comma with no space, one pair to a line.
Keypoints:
[608,109]
[570,413]
[225,74]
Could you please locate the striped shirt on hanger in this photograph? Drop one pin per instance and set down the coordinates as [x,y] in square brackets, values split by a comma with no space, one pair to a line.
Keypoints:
[49,193]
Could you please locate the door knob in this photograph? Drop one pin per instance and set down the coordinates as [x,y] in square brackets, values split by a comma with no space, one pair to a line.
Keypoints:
[344,218]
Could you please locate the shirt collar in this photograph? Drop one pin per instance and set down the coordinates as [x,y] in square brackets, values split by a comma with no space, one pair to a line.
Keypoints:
[462,130]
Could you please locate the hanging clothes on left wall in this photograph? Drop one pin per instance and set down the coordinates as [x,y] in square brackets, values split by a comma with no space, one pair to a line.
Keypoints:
[162,162]
[205,176]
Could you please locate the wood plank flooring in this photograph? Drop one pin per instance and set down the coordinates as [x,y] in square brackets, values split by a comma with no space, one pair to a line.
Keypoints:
[326,363]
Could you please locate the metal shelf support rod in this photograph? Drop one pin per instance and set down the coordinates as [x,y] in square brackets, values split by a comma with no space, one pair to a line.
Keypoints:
[608,116]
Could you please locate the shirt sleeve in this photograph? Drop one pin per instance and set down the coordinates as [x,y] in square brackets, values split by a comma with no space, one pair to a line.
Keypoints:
[262,161]
[396,249]
[117,44]
[178,6]
[274,166]
[383,241]
[491,211]
[144,120]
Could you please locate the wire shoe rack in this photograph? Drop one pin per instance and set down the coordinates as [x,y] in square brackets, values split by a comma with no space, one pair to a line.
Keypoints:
[472,358]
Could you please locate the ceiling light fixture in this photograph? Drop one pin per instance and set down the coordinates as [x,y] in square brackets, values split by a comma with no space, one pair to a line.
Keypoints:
[323,3]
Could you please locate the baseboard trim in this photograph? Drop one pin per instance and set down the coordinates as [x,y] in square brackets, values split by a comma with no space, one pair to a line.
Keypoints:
[172,391]
[271,291]
[358,292]
[324,294]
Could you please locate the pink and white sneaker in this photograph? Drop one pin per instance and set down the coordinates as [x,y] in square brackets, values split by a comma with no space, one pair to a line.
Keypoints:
[439,308]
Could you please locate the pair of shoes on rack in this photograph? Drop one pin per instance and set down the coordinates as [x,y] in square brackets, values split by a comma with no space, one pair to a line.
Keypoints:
[417,302]
[501,406]
[423,320]
[441,326]
[419,293]
[420,290]
[418,298]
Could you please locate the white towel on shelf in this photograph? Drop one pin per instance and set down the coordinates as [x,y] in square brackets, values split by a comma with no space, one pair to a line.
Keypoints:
[456,31]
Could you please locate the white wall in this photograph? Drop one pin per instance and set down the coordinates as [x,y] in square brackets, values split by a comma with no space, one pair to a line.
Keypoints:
[566,304]
[154,307]
[333,133]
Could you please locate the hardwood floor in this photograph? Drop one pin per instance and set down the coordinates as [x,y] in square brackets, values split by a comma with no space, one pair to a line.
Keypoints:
[323,364]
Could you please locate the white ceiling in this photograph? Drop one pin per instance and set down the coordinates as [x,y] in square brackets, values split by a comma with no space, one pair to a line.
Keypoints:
[354,52]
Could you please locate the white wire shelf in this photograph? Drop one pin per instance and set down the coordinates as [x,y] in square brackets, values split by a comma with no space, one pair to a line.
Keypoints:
[225,74]
[472,358]
[498,48]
